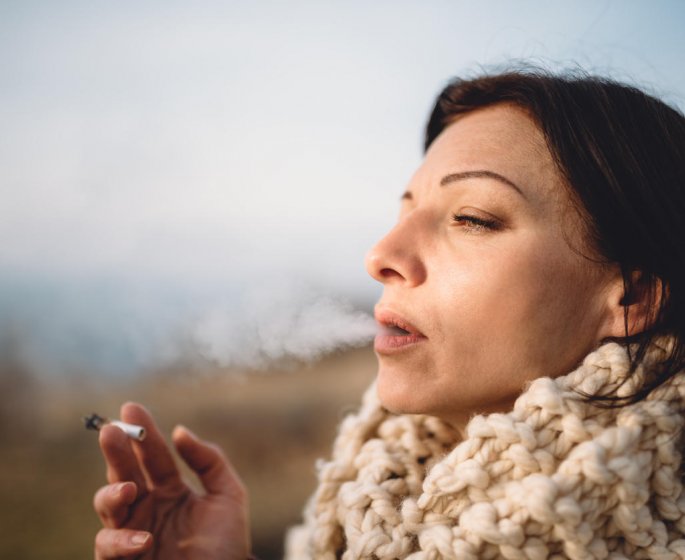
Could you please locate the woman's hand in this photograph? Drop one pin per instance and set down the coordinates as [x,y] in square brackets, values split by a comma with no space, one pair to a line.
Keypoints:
[149,512]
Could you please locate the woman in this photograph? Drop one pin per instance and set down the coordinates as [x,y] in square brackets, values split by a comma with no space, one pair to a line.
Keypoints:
[530,386]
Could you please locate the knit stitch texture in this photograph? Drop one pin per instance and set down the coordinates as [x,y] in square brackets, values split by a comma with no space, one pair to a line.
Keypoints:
[554,478]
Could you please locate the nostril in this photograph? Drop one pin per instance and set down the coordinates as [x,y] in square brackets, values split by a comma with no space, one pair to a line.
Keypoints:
[389,273]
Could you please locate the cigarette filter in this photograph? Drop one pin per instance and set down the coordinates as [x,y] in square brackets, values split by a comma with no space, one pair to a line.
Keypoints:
[96,422]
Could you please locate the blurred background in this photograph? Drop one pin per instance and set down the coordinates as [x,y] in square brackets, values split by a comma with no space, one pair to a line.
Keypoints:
[188,190]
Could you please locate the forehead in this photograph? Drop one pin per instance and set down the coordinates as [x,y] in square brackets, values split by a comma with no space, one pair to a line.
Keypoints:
[501,138]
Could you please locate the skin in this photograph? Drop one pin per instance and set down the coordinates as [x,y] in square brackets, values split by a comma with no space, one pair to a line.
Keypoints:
[147,511]
[488,270]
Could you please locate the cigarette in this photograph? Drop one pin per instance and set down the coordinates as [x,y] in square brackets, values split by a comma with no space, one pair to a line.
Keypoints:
[95,422]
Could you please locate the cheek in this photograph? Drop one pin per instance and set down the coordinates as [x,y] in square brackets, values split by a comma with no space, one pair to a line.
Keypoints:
[516,309]
[476,294]
[560,289]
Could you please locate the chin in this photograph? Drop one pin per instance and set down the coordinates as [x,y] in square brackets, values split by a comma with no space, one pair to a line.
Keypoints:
[398,393]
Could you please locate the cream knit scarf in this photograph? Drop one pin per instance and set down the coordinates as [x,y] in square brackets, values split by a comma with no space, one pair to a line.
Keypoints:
[555,478]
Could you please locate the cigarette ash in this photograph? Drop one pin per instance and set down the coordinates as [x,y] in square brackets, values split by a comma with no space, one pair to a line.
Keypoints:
[281,327]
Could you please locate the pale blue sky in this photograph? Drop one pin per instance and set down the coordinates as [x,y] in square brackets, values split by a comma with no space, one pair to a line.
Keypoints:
[160,158]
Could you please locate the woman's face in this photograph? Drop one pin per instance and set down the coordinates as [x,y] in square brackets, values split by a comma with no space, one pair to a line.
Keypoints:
[485,287]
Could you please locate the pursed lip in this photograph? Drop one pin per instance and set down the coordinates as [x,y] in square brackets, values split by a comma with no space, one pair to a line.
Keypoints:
[390,340]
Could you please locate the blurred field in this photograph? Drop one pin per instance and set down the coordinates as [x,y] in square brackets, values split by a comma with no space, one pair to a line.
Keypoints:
[273,425]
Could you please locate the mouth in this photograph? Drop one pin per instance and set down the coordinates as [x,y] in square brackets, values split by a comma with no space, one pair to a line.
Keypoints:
[394,330]
[396,333]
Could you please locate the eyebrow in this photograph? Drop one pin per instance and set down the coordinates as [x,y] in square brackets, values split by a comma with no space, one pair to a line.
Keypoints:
[479,174]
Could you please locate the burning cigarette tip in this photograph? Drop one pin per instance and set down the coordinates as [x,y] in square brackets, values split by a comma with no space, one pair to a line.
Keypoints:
[96,422]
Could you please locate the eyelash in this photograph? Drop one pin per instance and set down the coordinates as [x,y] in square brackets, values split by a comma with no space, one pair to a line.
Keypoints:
[475,224]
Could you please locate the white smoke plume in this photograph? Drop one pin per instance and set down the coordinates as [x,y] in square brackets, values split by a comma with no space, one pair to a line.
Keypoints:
[276,327]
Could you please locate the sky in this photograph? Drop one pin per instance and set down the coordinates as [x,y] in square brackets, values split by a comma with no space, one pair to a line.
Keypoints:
[165,163]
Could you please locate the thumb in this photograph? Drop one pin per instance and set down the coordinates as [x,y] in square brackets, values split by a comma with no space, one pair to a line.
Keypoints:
[210,464]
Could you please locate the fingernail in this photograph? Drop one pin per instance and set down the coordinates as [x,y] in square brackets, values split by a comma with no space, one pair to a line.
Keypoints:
[139,539]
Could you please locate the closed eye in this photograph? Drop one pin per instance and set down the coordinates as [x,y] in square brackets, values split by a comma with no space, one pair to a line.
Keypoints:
[474,223]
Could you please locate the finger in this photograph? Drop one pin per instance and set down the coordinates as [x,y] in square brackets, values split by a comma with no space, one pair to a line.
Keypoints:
[112,503]
[122,463]
[115,543]
[215,471]
[153,451]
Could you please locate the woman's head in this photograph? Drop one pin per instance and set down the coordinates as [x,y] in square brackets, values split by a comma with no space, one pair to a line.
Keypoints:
[546,218]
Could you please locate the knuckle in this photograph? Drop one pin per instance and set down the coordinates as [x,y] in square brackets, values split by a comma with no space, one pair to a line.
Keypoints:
[102,543]
[110,504]
[100,498]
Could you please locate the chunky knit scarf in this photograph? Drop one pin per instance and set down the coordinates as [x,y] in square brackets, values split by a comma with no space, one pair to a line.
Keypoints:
[556,477]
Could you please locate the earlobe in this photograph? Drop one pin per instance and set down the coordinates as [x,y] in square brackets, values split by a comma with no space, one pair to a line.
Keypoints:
[633,304]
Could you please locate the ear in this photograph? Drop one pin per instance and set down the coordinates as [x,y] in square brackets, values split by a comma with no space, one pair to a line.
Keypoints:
[632,306]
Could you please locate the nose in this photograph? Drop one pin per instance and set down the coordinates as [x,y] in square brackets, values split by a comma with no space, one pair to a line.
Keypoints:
[397,257]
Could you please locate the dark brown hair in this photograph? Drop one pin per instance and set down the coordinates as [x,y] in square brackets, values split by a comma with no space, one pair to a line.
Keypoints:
[622,155]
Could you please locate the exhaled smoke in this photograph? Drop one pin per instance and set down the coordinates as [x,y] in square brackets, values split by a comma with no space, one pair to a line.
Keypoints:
[282,327]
